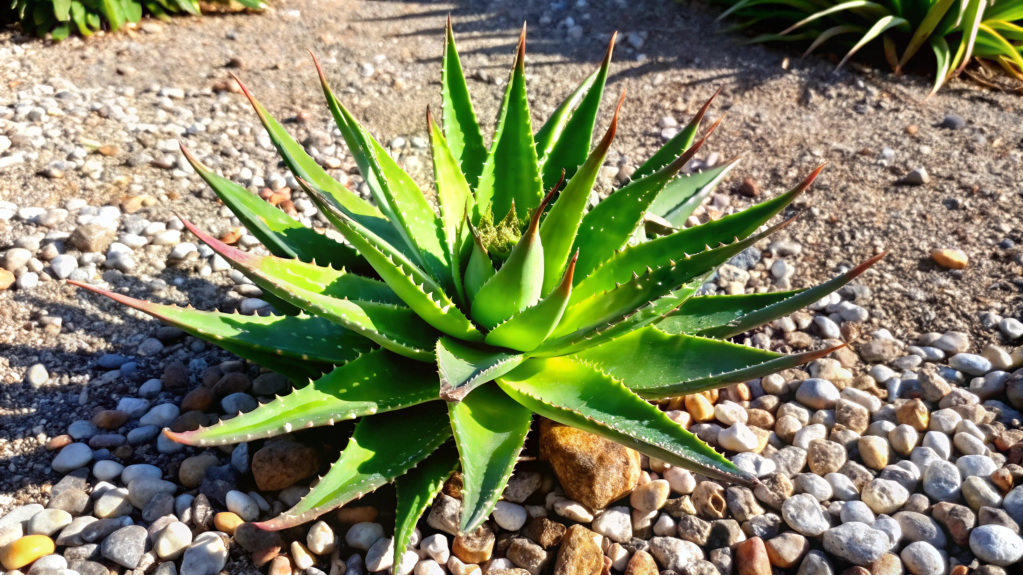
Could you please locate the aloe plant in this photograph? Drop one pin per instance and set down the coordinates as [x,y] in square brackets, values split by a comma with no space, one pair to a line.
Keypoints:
[955,30]
[444,332]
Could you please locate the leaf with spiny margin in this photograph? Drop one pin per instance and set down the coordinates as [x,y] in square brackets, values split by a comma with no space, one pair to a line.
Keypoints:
[418,290]
[464,367]
[303,337]
[583,317]
[459,118]
[490,429]
[572,143]
[655,253]
[279,232]
[727,316]
[393,327]
[676,145]
[650,313]
[558,231]
[530,327]
[383,447]
[304,166]
[680,198]
[510,172]
[416,490]
[664,365]
[299,372]
[550,132]
[396,193]
[479,270]
[454,198]
[517,285]
[376,382]
[608,226]
[573,393]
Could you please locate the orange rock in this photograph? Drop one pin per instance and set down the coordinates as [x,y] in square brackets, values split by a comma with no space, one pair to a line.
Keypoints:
[699,407]
[360,514]
[58,442]
[109,419]
[199,399]
[6,279]
[24,551]
[227,522]
[952,259]
[751,558]
[131,204]
[232,236]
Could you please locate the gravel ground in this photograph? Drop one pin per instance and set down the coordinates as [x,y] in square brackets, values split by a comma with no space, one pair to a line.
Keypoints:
[88,124]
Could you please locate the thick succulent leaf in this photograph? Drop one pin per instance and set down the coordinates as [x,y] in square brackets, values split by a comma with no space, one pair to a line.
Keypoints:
[418,290]
[558,231]
[393,327]
[530,327]
[679,143]
[279,232]
[376,382]
[299,338]
[549,133]
[396,192]
[510,173]
[490,429]
[322,280]
[518,284]
[573,393]
[571,145]
[682,195]
[730,315]
[453,193]
[382,447]
[416,490]
[668,365]
[625,264]
[304,166]
[583,317]
[479,269]
[608,226]
[460,124]
[299,372]
[464,367]
[652,312]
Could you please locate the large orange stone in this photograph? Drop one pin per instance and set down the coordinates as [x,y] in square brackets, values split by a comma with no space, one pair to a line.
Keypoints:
[593,471]
[24,551]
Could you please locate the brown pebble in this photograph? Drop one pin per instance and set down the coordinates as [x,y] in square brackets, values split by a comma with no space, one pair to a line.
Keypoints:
[188,421]
[280,565]
[264,556]
[124,452]
[959,570]
[108,150]
[199,399]
[231,237]
[749,188]
[289,208]
[952,259]
[6,279]
[453,486]
[233,382]
[303,116]
[360,514]
[227,522]
[1002,478]
[175,375]
[856,570]
[58,442]
[109,419]
[912,129]
[236,63]
[751,557]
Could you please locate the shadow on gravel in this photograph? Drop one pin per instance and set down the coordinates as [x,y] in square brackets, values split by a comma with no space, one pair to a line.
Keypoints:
[673,36]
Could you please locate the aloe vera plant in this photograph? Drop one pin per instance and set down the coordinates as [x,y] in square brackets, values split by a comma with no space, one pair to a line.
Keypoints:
[444,332]
[955,30]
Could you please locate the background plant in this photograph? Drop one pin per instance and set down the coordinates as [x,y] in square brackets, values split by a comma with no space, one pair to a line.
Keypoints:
[443,333]
[956,30]
[60,18]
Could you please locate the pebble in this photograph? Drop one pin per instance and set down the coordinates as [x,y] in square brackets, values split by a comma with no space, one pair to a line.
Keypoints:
[242,505]
[25,550]
[72,457]
[509,516]
[48,521]
[170,543]
[921,558]
[362,536]
[803,514]
[207,555]
[857,543]
[125,546]
[917,177]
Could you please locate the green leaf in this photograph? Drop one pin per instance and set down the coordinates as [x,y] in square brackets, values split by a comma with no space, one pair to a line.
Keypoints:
[396,193]
[679,143]
[518,284]
[60,31]
[972,16]
[460,124]
[296,338]
[393,327]
[376,382]
[572,144]
[551,131]
[464,367]
[490,429]
[610,306]
[627,263]
[558,231]
[78,17]
[935,13]
[306,168]
[455,200]
[863,7]
[62,10]
[882,25]
[284,236]
[383,447]
[729,315]
[594,334]
[831,33]
[480,268]
[608,226]
[417,289]
[664,365]
[682,195]
[1001,46]
[416,490]
[572,393]
[510,173]
[530,327]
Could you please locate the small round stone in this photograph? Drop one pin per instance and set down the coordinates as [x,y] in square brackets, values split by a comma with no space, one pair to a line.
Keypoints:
[25,550]
[320,539]
[227,522]
[171,541]
[996,545]
[242,505]
[510,516]
[803,514]
[921,558]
